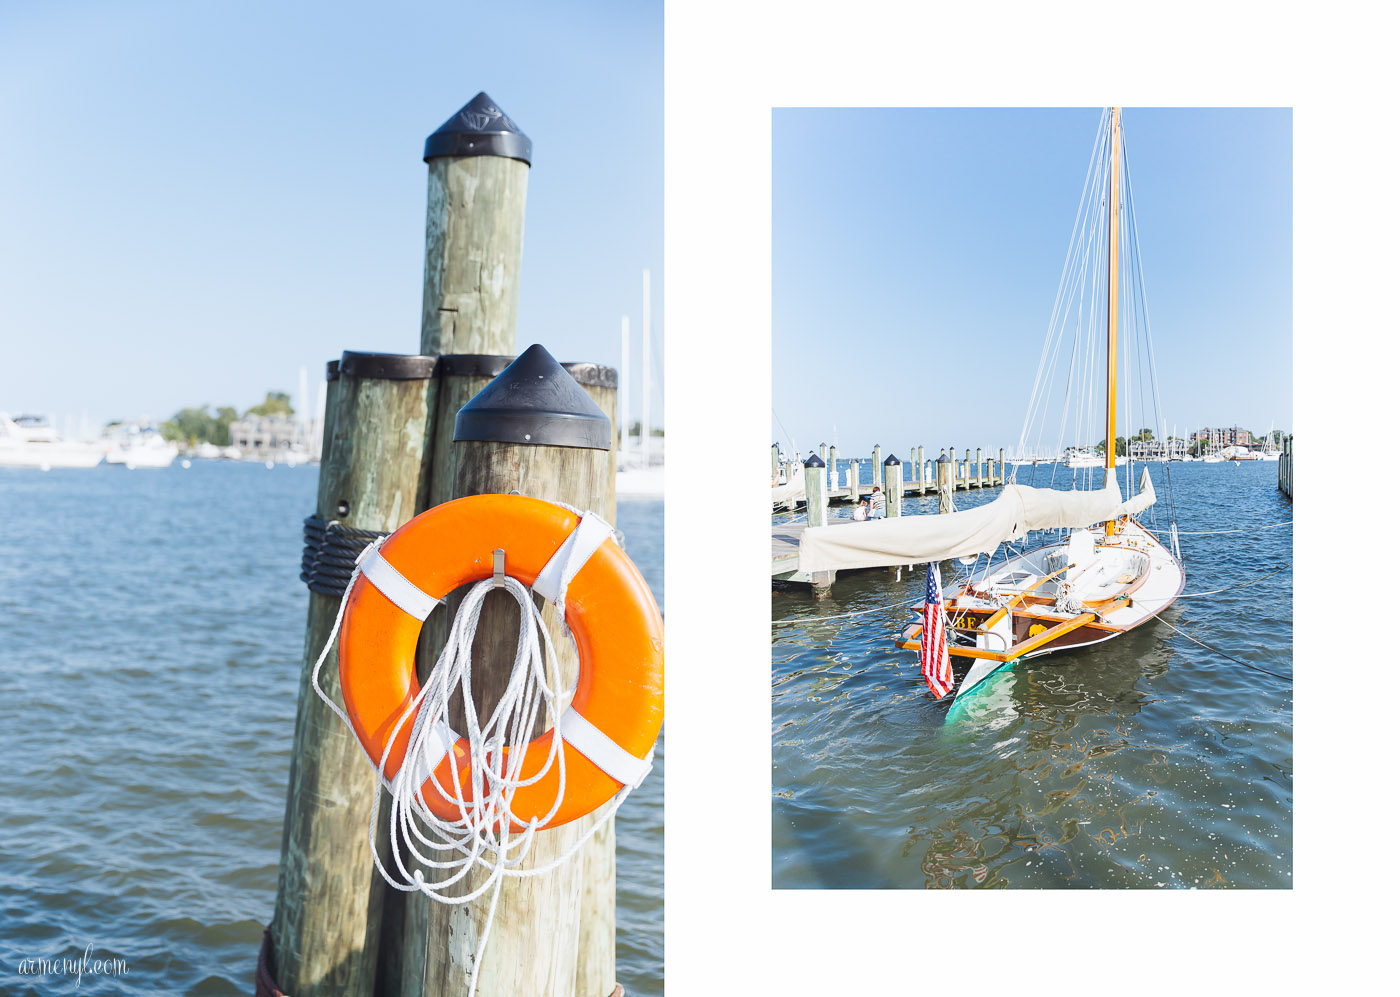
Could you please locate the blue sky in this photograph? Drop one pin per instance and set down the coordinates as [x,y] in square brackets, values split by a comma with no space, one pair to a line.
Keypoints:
[197,199]
[917,252]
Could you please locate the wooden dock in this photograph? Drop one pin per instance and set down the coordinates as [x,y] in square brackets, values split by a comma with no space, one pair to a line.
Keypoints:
[785,542]
[815,484]
[786,539]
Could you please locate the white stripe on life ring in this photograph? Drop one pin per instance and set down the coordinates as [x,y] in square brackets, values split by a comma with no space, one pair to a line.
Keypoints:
[396,588]
[602,750]
[572,555]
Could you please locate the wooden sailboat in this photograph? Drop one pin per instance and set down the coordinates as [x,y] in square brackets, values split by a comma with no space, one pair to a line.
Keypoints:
[1092,583]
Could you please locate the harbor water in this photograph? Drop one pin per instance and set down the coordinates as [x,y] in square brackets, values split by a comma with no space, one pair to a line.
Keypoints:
[149,656]
[1148,761]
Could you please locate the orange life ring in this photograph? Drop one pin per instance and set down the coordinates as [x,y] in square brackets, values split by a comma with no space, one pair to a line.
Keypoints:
[608,608]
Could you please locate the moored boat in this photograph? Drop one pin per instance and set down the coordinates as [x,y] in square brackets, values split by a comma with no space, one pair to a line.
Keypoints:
[1100,571]
[30,441]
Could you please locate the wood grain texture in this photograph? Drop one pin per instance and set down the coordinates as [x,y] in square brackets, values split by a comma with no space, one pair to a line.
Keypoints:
[533,947]
[894,489]
[814,495]
[325,923]
[596,971]
[475,235]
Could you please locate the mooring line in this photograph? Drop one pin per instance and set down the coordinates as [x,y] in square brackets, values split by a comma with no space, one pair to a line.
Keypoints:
[1285,678]
[1242,585]
[838,616]
[1252,529]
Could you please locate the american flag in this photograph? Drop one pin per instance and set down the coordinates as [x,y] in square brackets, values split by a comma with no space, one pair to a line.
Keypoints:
[933,643]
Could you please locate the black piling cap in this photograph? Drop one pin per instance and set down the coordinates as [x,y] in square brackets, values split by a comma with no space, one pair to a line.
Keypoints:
[534,401]
[479,129]
[814,461]
[891,460]
[942,457]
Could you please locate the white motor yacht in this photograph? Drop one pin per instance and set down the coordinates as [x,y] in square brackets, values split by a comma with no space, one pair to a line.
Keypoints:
[141,446]
[30,441]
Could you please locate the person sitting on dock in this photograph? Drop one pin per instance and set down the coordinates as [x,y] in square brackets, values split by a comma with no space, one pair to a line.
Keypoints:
[859,512]
[877,504]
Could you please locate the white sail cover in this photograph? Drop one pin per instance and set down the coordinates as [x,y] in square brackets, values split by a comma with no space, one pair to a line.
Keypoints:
[915,539]
[795,488]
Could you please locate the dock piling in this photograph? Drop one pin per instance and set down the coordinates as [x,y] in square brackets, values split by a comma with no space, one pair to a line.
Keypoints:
[534,945]
[894,486]
[814,475]
[555,933]
[945,483]
[325,932]
[478,171]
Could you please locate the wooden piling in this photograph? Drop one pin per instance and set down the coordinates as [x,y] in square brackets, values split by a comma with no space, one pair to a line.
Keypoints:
[876,462]
[821,452]
[814,473]
[776,464]
[894,486]
[945,483]
[922,472]
[478,170]
[326,920]
[534,945]
[1001,465]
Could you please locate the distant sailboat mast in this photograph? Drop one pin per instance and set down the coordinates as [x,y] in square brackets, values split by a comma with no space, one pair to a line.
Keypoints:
[622,416]
[646,367]
[303,412]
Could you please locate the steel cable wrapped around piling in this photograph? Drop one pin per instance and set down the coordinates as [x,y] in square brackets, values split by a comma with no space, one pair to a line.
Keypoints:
[328,554]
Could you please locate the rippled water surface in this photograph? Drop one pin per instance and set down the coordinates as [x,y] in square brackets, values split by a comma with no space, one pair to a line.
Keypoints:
[1148,761]
[151,625]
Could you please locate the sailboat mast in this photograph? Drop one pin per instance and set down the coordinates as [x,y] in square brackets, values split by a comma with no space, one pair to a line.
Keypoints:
[1110,438]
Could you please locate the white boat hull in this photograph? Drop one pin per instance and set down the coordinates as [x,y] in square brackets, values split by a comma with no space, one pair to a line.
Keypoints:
[47,455]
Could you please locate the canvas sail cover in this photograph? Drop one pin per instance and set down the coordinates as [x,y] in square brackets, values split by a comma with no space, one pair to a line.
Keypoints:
[795,488]
[915,539]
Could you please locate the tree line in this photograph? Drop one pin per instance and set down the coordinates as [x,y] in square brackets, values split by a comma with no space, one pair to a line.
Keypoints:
[199,425]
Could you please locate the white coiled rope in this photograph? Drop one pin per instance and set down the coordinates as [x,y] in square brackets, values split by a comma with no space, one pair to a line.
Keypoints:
[482,835]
